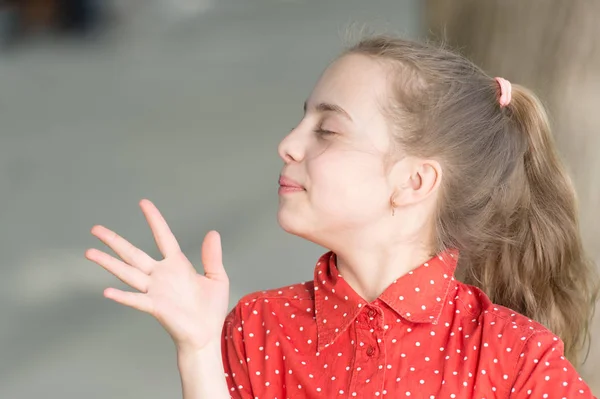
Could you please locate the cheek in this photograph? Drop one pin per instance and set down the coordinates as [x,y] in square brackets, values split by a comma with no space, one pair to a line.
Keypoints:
[348,183]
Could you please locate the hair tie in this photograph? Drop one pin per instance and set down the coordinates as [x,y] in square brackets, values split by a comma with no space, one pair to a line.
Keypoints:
[505,91]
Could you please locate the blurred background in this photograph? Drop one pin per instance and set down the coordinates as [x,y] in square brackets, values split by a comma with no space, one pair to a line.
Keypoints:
[105,102]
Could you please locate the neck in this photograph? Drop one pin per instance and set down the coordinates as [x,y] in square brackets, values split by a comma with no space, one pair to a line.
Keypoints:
[371,257]
[370,270]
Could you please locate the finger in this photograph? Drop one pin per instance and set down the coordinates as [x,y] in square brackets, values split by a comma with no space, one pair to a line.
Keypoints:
[165,240]
[132,299]
[127,274]
[127,251]
[212,256]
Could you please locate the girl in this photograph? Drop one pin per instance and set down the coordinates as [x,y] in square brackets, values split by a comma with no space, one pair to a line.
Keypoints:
[411,165]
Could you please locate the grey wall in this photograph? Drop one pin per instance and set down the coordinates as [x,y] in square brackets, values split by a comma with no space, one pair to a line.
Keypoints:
[183,102]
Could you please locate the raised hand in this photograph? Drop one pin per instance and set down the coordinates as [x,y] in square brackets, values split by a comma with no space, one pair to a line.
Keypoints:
[190,306]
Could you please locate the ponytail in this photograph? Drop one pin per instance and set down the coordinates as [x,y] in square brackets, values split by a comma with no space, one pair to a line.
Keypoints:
[505,201]
[541,270]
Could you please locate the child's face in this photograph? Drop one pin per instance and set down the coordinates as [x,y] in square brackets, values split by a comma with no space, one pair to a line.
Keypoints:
[346,187]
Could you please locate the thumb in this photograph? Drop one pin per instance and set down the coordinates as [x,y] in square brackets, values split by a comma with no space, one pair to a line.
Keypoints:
[212,256]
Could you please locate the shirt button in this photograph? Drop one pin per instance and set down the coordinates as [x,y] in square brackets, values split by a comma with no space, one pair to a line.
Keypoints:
[370,351]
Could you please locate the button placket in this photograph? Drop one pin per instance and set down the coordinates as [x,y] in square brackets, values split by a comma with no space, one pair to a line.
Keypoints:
[375,319]
[370,355]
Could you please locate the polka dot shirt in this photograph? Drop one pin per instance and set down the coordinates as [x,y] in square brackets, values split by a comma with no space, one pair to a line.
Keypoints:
[427,336]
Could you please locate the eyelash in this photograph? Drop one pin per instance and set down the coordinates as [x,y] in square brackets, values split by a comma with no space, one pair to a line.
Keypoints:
[323,132]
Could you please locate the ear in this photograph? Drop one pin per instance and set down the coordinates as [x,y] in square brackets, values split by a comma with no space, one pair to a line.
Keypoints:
[415,180]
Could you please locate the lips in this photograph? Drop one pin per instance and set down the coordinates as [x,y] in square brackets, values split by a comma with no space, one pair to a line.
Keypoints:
[288,186]
[289,183]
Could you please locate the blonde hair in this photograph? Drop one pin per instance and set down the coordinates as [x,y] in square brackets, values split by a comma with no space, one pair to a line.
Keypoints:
[506,202]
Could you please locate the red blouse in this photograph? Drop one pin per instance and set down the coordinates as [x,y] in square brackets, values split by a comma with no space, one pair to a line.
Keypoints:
[427,336]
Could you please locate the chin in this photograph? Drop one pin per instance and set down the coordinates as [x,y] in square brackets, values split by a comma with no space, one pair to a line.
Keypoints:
[302,227]
[289,222]
[292,222]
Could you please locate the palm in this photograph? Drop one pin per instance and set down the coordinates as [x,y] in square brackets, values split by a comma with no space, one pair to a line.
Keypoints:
[190,306]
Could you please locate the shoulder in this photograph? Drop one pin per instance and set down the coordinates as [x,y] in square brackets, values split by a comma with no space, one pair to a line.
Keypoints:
[503,330]
[268,301]
[520,347]
[478,304]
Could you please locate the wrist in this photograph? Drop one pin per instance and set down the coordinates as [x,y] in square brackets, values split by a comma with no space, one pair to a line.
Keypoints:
[202,372]
[210,351]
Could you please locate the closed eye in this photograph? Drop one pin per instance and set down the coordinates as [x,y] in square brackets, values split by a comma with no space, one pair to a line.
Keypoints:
[323,132]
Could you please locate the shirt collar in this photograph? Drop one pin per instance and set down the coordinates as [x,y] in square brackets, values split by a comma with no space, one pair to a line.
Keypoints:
[418,296]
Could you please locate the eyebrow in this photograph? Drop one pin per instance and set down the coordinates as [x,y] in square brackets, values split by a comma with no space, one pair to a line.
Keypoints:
[328,107]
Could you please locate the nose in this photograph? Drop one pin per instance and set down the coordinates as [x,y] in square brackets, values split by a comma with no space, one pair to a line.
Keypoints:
[290,149]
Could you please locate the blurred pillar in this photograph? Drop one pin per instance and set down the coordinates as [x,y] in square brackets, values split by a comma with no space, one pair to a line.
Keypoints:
[9,22]
[38,14]
[80,16]
[552,47]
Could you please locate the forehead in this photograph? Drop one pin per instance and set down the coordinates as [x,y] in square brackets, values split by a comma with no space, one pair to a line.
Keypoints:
[355,82]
